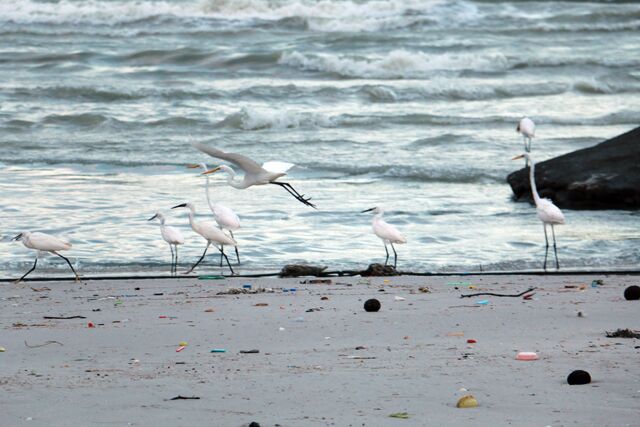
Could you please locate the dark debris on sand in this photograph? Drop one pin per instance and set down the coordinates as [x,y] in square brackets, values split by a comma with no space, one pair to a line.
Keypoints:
[623,333]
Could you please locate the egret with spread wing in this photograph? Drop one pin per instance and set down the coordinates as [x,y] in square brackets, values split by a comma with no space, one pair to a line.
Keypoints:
[254,174]
[43,242]
[548,213]
[172,236]
[226,218]
[210,233]
[387,232]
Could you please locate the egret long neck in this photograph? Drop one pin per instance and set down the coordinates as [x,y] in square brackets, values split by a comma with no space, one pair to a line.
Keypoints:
[532,180]
[192,212]
[231,178]
[377,218]
[212,206]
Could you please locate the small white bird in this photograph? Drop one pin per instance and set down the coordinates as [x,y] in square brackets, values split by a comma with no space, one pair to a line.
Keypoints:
[548,213]
[43,242]
[172,236]
[527,128]
[387,232]
[226,218]
[211,233]
[254,174]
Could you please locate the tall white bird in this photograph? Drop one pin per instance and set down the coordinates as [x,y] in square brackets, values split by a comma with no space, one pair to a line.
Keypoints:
[527,128]
[254,174]
[226,218]
[211,233]
[43,242]
[387,232]
[548,213]
[172,236]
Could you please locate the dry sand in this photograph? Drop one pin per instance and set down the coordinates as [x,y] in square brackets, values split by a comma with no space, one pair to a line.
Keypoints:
[415,357]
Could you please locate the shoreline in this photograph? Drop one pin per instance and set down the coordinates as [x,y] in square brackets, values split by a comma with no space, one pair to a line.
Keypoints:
[320,361]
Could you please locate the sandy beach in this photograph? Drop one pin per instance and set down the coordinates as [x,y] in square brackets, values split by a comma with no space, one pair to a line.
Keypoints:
[322,359]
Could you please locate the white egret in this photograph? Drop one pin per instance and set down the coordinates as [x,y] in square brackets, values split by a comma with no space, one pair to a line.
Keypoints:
[210,233]
[254,174]
[43,242]
[548,213]
[527,128]
[172,236]
[387,232]
[226,218]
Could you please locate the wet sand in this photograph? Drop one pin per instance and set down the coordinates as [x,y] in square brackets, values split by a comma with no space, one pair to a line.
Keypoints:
[333,365]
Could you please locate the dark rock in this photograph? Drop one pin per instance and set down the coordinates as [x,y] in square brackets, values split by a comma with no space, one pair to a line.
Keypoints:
[254,424]
[579,377]
[297,270]
[379,270]
[605,176]
[372,305]
[632,293]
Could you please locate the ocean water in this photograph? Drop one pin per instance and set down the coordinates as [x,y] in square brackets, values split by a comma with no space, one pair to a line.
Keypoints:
[410,105]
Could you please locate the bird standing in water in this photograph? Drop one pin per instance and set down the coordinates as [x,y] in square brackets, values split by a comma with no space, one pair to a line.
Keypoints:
[226,218]
[387,232]
[527,128]
[211,233]
[172,236]
[548,213]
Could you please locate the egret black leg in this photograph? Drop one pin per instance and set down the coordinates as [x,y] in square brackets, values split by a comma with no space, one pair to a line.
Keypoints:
[225,257]
[546,248]
[27,273]
[200,260]
[221,253]
[555,251]
[175,269]
[71,266]
[387,251]
[294,193]
[395,256]
[235,247]
[172,257]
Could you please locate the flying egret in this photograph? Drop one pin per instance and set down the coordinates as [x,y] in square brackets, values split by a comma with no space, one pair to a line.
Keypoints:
[172,236]
[254,174]
[387,232]
[210,233]
[224,216]
[43,242]
[548,213]
[527,128]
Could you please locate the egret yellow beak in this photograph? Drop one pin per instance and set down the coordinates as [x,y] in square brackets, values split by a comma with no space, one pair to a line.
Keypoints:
[214,170]
[193,166]
[518,157]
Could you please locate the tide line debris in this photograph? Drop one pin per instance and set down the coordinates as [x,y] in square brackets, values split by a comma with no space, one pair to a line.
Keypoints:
[623,333]
[498,295]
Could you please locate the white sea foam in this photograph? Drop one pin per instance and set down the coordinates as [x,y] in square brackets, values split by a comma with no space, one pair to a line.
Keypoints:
[395,64]
[323,15]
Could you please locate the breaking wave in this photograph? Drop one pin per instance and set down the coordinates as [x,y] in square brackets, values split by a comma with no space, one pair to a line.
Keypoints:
[395,64]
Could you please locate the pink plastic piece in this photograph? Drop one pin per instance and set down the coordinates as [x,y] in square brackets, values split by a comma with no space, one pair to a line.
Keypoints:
[527,355]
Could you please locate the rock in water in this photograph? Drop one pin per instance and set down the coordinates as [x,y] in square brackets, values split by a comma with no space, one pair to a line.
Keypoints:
[605,176]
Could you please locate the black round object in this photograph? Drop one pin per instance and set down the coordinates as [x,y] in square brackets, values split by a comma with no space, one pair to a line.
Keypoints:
[579,377]
[254,424]
[632,293]
[372,305]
